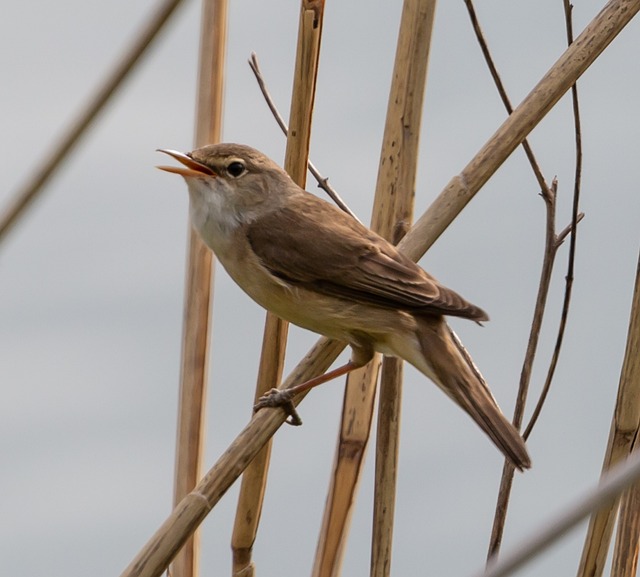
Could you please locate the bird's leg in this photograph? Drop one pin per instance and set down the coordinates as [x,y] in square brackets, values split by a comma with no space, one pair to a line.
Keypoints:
[284,397]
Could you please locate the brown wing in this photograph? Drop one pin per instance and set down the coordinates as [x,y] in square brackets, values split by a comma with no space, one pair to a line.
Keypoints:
[313,244]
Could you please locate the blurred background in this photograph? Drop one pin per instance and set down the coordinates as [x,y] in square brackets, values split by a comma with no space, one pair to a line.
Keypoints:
[91,282]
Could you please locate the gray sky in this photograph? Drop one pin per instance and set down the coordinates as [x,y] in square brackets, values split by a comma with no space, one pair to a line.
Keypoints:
[92,283]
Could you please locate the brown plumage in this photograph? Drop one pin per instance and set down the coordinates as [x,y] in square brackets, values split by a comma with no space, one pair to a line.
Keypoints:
[313,265]
[363,266]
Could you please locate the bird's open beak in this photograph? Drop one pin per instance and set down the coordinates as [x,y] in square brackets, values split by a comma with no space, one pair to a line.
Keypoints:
[190,168]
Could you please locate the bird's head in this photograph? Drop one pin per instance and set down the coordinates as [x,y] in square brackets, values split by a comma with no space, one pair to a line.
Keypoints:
[234,177]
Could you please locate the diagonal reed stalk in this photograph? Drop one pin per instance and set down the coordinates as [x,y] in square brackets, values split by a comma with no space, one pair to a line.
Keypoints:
[40,175]
[275,333]
[392,213]
[156,554]
[612,484]
[554,84]
[198,289]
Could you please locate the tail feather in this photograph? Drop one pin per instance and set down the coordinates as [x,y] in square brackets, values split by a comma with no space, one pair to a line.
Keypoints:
[447,363]
[491,420]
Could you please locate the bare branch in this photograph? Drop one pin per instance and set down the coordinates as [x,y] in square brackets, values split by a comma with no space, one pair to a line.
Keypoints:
[552,243]
[503,93]
[506,481]
[323,182]
[576,217]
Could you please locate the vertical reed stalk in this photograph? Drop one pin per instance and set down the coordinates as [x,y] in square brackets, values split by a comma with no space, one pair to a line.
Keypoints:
[395,192]
[392,213]
[197,305]
[254,479]
[624,430]
[625,552]
[275,333]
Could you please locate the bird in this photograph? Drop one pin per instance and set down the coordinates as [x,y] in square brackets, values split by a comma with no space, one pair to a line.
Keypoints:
[312,264]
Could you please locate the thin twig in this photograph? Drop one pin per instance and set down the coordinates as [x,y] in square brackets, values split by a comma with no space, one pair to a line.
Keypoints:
[576,217]
[552,243]
[323,182]
[506,481]
[503,93]
[566,231]
[549,196]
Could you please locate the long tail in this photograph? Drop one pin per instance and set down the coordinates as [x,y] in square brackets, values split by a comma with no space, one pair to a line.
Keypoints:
[445,361]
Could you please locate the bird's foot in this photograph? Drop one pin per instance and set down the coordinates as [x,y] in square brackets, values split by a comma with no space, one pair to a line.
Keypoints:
[279,398]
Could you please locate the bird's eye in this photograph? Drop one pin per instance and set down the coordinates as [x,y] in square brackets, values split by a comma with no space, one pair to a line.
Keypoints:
[235,169]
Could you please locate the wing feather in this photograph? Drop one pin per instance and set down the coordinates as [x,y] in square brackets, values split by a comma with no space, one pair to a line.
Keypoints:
[313,244]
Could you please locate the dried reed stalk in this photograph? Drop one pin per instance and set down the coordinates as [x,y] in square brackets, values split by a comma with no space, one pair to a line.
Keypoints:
[624,430]
[197,305]
[163,545]
[254,478]
[352,439]
[625,552]
[40,175]
[392,213]
[386,471]
[398,169]
[275,334]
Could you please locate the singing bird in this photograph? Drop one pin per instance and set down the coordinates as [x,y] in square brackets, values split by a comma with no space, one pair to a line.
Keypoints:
[311,264]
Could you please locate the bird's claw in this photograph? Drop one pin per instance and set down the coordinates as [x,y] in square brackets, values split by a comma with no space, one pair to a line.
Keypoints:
[279,398]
